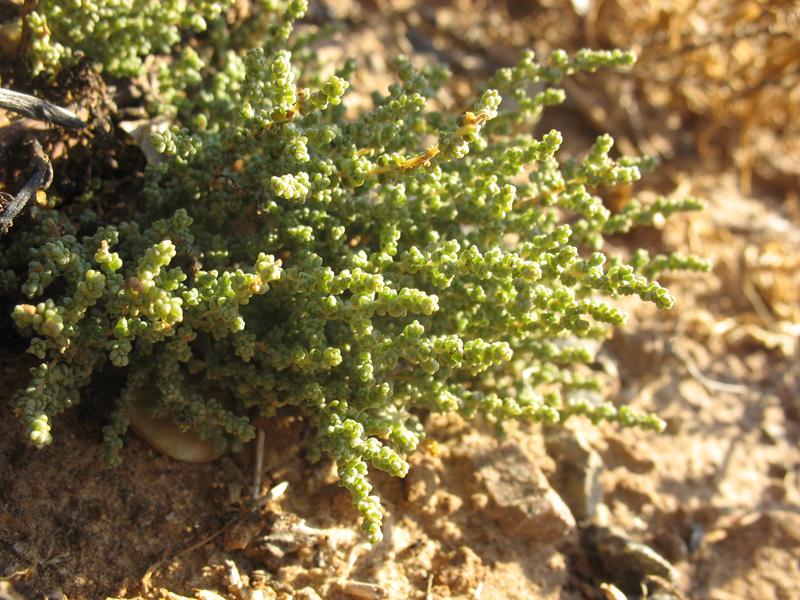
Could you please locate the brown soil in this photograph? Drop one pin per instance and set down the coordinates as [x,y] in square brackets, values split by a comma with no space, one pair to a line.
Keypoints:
[717,495]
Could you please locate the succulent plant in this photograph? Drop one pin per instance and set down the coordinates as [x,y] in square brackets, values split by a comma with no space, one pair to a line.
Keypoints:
[365,271]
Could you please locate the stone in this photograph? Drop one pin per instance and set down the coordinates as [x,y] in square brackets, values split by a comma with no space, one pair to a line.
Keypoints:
[578,468]
[164,435]
[521,499]
[627,562]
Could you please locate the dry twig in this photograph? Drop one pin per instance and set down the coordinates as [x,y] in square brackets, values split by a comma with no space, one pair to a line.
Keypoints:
[41,179]
[38,109]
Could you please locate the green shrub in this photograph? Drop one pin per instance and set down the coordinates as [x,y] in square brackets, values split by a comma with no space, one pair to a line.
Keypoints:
[116,33]
[366,271]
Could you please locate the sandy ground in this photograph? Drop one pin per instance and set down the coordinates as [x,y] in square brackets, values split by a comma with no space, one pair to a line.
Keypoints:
[709,509]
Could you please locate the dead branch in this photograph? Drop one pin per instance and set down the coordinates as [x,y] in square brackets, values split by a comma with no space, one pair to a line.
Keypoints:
[41,179]
[38,109]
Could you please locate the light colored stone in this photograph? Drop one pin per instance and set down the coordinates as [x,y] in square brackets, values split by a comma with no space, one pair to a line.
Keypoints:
[578,468]
[521,499]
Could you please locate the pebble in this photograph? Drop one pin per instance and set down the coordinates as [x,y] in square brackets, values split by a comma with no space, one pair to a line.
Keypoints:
[577,477]
[520,497]
[628,562]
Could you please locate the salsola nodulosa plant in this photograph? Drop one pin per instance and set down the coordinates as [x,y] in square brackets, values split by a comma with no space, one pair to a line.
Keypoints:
[366,271]
[117,34]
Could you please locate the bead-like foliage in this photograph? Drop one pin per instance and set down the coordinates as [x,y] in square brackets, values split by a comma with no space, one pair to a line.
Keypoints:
[366,271]
[116,33]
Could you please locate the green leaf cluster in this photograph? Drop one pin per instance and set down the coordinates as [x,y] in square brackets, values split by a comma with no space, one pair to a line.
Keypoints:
[366,270]
[116,33]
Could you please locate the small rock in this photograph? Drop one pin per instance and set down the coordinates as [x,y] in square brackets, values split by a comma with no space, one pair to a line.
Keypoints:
[164,435]
[578,469]
[627,562]
[521,498]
